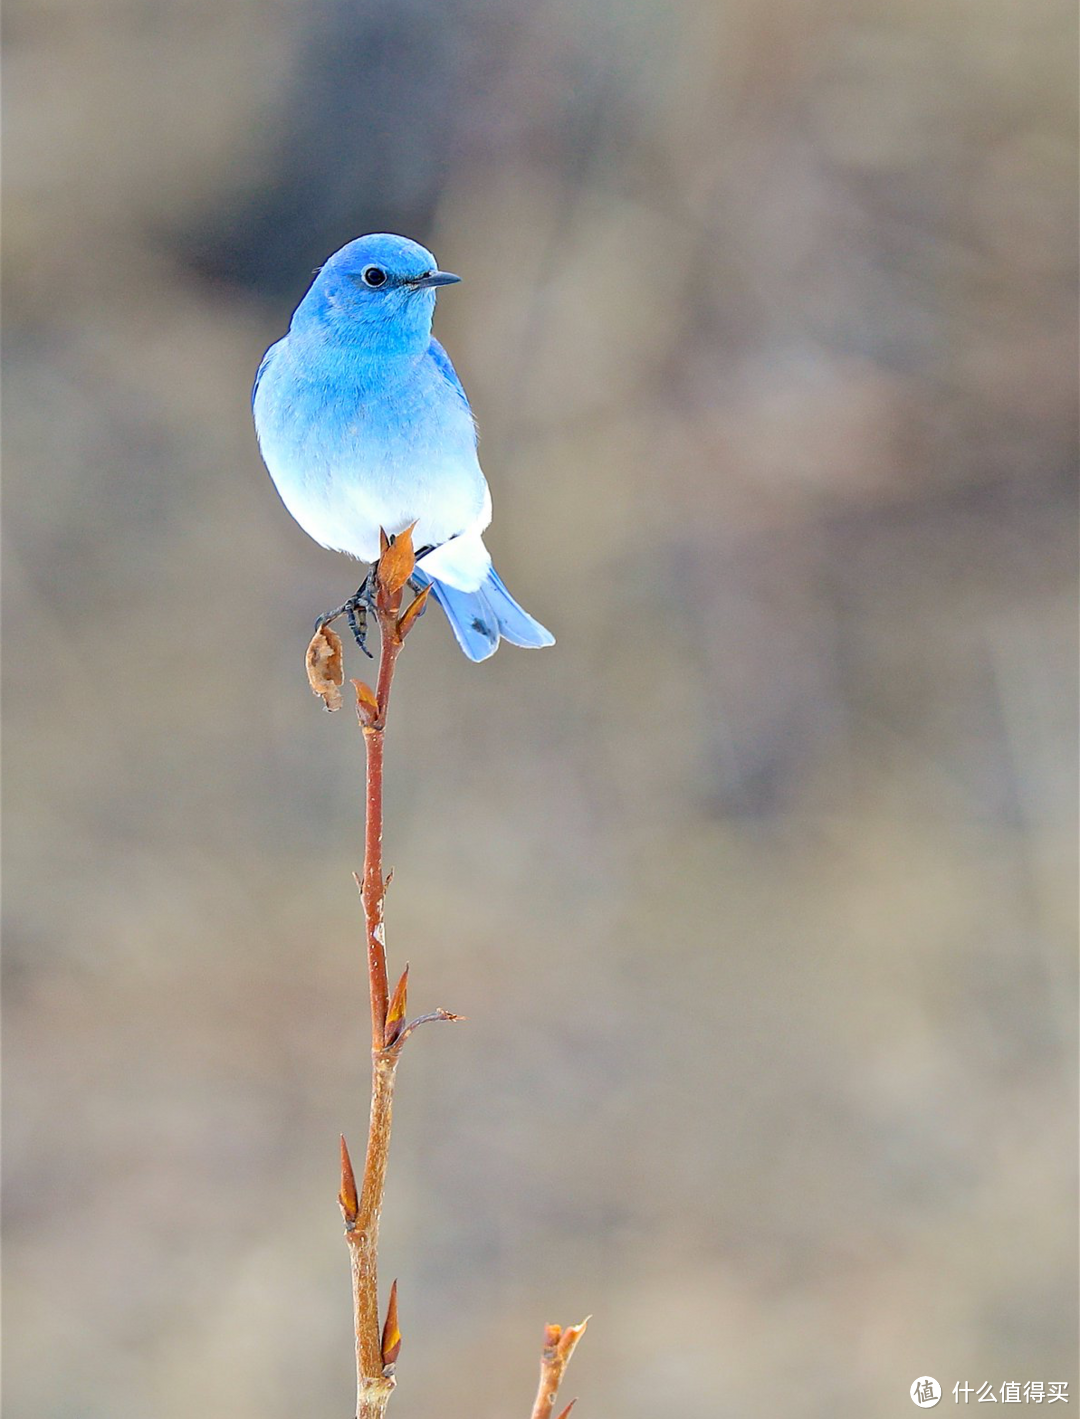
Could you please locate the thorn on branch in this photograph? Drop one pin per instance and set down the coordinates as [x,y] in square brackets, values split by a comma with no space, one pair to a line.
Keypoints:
[391,1336]
[347,1197]
[395,1016]
[413,612]
[367,707]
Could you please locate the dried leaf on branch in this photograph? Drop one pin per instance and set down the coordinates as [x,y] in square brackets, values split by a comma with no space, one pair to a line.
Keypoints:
[325,667]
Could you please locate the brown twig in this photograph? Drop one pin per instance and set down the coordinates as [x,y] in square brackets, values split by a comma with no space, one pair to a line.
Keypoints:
[377,1345]
[558,1347]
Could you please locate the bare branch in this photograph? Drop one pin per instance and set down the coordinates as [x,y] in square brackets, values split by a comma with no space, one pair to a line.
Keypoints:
[559,1345]
[378,1345]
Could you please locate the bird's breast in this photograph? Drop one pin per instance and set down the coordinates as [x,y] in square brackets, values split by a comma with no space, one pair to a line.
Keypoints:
[355,448]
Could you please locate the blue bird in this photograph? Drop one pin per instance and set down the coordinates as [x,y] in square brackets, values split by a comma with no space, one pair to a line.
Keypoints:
[364,424]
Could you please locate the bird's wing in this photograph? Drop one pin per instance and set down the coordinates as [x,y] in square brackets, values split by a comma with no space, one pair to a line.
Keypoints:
[442,362]
[263,367]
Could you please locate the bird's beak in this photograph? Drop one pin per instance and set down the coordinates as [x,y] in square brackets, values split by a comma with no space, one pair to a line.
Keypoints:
[435,278]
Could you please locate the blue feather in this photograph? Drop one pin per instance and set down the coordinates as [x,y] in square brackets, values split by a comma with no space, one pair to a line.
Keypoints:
[480,618]
[365,428]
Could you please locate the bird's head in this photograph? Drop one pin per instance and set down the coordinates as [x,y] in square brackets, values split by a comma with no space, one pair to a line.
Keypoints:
[379,289]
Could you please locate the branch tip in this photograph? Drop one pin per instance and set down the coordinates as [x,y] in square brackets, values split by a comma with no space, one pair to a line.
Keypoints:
[446,1016]
[559,1344]
[396,563]
[570,1337]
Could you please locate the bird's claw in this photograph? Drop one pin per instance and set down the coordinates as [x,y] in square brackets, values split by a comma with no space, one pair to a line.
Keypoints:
[355,611]
[358,623]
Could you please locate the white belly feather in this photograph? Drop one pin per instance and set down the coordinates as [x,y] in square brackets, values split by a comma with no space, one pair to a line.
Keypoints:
[346,466]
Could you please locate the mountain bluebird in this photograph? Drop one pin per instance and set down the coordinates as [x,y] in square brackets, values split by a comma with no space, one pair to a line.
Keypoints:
[364,425]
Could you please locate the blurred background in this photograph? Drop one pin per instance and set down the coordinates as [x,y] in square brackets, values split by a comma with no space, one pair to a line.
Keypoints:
[758,891]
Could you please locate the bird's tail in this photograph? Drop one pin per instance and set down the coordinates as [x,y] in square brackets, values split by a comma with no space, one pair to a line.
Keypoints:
[479,618]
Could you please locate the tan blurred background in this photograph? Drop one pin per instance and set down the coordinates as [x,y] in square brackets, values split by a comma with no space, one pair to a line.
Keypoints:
[758,891]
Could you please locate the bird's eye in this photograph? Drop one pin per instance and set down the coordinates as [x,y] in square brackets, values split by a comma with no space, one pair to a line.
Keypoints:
[373,276]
